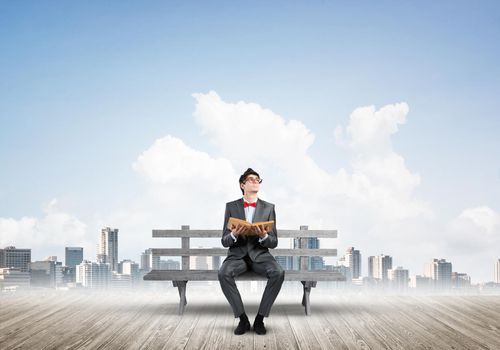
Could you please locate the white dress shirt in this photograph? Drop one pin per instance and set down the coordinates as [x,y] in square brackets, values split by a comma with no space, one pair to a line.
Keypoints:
[249,211]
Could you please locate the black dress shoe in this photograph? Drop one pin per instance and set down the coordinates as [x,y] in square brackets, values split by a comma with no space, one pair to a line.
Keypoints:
[259,328]
[243,326]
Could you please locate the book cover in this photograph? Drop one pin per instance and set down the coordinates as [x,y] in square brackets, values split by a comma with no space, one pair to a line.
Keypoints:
[251,227]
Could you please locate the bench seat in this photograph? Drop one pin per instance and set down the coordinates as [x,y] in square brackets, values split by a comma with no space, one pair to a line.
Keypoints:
[212,275]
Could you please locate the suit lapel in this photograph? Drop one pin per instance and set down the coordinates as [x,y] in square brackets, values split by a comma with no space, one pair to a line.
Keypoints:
[241,210]
[257,216]
[259,207]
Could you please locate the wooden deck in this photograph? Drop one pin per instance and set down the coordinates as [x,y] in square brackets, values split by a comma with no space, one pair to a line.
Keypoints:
[149,320]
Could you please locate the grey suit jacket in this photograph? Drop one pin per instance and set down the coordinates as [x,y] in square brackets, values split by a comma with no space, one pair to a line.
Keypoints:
[264,211]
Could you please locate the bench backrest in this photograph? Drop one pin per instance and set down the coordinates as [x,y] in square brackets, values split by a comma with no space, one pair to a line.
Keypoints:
[185,233]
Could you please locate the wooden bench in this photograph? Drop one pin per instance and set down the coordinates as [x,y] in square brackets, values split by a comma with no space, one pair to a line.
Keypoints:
[179,278]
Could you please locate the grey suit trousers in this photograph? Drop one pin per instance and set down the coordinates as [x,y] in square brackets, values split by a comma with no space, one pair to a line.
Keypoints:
[269,268]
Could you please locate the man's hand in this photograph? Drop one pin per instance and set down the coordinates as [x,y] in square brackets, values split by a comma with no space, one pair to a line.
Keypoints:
[261,230]
[240,229]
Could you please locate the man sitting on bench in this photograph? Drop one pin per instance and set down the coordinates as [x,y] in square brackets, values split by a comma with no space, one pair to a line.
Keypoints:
[250,252]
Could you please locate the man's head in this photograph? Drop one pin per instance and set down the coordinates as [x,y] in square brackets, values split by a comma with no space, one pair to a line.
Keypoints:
[250,181]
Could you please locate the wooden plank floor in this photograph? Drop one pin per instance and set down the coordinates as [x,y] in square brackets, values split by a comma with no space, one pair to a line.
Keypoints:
[148,320]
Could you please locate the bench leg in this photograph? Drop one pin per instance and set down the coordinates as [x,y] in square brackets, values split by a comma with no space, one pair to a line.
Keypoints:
[305,298]
[181,285]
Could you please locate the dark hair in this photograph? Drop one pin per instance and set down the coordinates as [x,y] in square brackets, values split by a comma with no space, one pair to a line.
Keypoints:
[243,177]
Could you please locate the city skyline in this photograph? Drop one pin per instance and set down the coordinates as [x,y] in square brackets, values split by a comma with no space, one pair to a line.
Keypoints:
[380,267]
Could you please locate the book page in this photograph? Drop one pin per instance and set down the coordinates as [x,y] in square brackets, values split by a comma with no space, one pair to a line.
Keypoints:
[251,228]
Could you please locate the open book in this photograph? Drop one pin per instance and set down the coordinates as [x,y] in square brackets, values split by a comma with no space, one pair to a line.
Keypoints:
[251,228]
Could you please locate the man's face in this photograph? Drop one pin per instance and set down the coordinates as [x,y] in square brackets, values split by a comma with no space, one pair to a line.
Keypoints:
[251,184]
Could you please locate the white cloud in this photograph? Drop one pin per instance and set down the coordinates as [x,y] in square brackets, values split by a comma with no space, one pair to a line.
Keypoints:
[170,159]
[180,176]
[371,200]
[379,175]
[246,132]
[369,130]
[184,186]
[50,233]
[483,217]
[472,239]
[379,189]
[474,229]
[249,135]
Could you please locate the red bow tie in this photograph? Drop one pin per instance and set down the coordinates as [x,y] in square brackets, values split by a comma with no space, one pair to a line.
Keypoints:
[246,204]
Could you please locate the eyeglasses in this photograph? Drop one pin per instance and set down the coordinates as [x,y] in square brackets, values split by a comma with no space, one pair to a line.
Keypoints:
[253,179]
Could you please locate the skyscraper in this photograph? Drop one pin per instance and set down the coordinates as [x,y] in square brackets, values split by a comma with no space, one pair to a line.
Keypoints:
[440,272]
[43,273]
[353,260]
[11,277]
[199,262]
[307,262]
[421,282]
[145,260]
[130,268]
[399,278]
[149,261]
[286,262]
[108,248]
[216,261]
[168,264]
[16,258]
[93,275]
[371,262]
[73,256]
[378,266]
[460,280]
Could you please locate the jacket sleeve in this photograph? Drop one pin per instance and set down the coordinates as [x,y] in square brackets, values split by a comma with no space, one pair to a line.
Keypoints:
[227,240]
[272,240]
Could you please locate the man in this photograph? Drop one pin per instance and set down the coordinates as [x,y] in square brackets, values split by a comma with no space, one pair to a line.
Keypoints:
[250,252]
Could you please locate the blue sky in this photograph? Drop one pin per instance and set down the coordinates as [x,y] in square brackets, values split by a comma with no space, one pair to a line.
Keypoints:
[85,88]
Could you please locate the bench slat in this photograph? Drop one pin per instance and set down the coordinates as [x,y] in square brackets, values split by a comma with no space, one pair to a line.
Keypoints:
[212,275]
[223,252]
[218,233]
